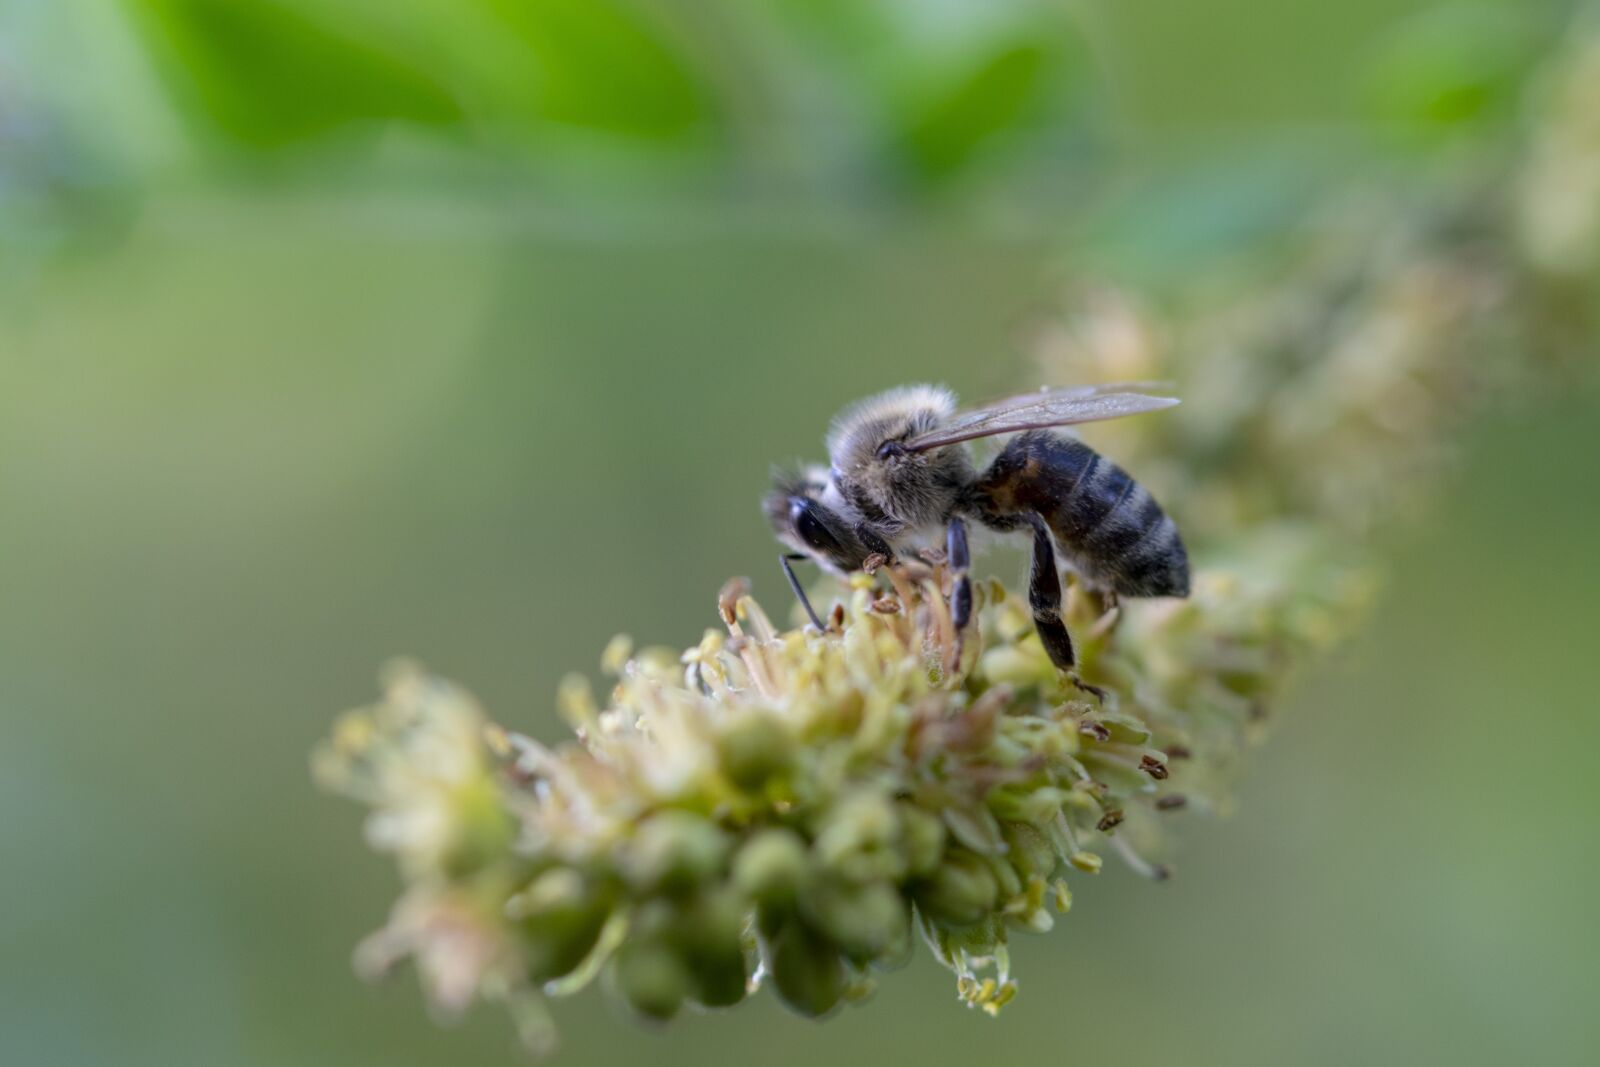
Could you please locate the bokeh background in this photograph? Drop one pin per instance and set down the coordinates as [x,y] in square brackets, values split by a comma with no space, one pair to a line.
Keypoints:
[336,329]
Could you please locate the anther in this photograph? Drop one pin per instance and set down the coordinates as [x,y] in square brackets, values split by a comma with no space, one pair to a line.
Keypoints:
[1096,730]
[728,598]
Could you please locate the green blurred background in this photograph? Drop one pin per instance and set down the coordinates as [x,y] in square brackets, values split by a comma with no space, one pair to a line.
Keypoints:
[469,330]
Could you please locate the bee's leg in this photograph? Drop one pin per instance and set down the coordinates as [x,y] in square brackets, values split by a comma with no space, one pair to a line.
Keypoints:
[800,594]
[1044,597]
[960,560]
[876,546]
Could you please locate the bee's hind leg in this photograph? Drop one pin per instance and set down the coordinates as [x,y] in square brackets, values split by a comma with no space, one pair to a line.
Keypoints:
[1044,598]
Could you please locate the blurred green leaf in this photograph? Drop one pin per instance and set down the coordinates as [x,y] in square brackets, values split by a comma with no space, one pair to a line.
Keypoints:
[847,25]
[942,89]
[966,116]
[267,74]
[1452,69]
[603,65]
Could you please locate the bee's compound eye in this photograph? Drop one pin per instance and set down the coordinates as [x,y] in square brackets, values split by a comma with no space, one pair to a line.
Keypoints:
[809,528]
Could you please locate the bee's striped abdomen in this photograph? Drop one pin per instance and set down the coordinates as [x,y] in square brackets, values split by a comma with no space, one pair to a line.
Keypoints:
[1106,524]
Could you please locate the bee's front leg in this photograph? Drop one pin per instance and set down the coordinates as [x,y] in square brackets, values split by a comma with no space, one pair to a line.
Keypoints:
[960,561]
[875,545]
[799,591]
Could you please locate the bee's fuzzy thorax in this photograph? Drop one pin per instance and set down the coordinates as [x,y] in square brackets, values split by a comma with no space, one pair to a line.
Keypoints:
[908,491]
[908,409]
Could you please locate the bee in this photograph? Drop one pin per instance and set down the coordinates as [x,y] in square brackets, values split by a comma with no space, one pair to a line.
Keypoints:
[901,477]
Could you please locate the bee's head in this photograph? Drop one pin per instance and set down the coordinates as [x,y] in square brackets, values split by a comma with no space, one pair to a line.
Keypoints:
[802,521]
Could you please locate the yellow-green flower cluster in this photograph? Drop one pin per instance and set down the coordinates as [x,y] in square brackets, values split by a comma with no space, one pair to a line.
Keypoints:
[782,808]
[793,808]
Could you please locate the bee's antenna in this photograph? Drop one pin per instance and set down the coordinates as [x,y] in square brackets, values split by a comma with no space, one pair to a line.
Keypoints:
[800,594]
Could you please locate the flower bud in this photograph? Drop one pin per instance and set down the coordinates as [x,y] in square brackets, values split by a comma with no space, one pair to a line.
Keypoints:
[806,970]
[859,839]
[673,852]
[922,838]
[1030,850]
[977,828]
[1005,876]
[979,939]
[650,977]
[865,921]
[1010,665]
[1037,805]
[753,748]
[560,915]
[961,891]
[771,867]
[709,937]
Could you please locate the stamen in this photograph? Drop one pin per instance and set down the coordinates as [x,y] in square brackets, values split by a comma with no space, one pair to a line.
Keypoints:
[1156,872]
[728,597]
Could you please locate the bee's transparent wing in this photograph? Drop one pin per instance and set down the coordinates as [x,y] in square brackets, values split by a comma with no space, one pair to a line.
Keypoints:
[1033,411]
[1069,392]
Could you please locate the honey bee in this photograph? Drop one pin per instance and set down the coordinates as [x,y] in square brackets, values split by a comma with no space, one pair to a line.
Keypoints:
[901,477]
